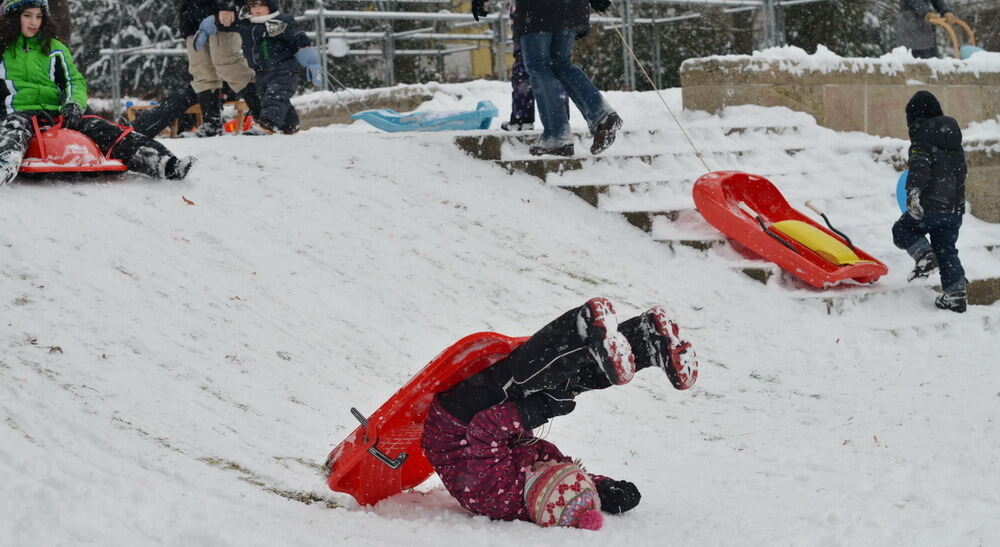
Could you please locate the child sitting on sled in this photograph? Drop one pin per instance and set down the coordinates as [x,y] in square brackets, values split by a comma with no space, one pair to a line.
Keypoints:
[935,198]
[478,433]
[272,43]
[38,78]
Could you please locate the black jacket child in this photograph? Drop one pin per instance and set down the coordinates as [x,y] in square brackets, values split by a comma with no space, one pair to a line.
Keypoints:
[531,16]
[937,161]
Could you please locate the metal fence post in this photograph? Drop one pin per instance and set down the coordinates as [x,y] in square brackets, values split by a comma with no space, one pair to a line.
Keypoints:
[628,47]
[500,44]
[657,68]
[389,55]
[321,44]
[116,84]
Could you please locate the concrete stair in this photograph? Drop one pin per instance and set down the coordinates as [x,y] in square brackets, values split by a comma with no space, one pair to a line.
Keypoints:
[647,177]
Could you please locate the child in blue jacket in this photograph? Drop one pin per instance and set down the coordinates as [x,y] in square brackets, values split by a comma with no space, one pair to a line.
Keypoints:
[274,46]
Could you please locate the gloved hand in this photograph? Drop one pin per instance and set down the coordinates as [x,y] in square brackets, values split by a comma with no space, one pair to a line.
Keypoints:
[539,407]
[951,18]
[600,5]
[309,58]
[913,206]
[205,29]
[617,496]
[72,114]
[479,9]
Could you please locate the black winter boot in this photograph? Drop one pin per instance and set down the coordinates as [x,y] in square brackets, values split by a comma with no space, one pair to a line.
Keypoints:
[924,264]
[954,298]
[605,133]
[211,114]
[656,342]
[249,96]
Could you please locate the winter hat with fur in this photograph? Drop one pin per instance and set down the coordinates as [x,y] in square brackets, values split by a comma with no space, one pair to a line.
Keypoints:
[14,6]
[562,495]
[922,105]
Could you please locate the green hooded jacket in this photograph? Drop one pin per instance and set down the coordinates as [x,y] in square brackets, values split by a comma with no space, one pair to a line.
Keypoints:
[32,80]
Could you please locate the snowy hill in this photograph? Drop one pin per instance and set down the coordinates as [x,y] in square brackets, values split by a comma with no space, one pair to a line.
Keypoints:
[175,373]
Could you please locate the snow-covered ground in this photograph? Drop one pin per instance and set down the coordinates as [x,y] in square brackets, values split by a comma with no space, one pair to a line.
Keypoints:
[179,358]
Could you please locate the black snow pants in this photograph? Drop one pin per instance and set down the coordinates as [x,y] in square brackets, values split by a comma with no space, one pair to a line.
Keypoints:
[140,153]
[275,88]
[154,120]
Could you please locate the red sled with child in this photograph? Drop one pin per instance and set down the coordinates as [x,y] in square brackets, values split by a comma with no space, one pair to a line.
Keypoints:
[56,149]
[368,465]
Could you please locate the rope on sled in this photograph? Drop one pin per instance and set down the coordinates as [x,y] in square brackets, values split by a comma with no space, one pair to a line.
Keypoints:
[662,100]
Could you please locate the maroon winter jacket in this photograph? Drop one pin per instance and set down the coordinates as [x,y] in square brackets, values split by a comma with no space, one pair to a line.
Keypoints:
[482,464]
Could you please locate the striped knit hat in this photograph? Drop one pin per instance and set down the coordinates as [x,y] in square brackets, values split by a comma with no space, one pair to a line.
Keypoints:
[13,6]
[562,495]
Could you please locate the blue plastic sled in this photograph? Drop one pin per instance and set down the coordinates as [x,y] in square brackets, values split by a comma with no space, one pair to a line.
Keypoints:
[901,190]
[387,119]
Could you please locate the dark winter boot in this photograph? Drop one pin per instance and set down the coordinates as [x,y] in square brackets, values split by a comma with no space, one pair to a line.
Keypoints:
[177,168]
[211,114]
[604,135]
[925,261]
[954,298]
[517,126]
[656,342]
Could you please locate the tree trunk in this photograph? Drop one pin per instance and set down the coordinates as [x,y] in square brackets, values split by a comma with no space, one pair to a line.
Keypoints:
[61,19]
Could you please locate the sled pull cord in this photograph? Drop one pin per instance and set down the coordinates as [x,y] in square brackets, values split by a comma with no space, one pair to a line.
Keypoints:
[810,205]
[381,456]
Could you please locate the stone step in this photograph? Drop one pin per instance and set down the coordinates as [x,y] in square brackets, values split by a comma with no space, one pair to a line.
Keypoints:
[496,145]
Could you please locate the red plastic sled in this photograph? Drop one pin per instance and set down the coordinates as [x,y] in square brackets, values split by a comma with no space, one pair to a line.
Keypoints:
[750,210]
[55,149]
[383,457]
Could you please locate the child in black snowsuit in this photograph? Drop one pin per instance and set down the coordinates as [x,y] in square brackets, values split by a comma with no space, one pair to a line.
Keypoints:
[935,190]
[273,45]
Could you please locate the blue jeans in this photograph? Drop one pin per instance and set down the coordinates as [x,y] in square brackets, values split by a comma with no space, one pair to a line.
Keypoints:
[547,56]
[943,230]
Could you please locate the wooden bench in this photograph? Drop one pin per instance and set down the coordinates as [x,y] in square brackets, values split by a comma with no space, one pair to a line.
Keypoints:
[172,130]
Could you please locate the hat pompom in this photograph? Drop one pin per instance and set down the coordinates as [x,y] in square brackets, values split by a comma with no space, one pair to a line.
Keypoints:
[591,520]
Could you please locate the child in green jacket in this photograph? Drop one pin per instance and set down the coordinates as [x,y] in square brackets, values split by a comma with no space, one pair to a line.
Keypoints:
[37,76]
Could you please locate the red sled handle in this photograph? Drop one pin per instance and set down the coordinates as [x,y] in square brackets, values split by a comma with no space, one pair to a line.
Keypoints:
[373,450]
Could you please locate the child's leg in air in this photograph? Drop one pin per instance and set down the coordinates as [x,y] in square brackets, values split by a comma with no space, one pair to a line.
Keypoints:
[549,363]
[139,152]
[656,341]
[15,132]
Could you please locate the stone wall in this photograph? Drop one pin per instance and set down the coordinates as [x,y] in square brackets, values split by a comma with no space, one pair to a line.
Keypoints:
[857,95]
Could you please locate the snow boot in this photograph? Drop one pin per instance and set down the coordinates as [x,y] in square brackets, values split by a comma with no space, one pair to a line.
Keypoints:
[604,135]
[924,264]
[561,150]
[10,164]
[954,298]
[656,342]
[517,126]
[249,96]
[211,114]
[177,168]
[598,327]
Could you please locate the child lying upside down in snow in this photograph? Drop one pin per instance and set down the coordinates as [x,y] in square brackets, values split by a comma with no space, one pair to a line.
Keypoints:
[478,433]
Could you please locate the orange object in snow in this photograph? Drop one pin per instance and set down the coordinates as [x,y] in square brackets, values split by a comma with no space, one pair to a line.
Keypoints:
[750,210]
[55,149]
[382,457]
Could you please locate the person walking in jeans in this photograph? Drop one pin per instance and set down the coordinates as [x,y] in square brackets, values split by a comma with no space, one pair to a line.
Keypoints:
[548,29]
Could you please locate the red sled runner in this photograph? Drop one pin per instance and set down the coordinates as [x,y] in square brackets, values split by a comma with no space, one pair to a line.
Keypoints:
[382,457]
[55,149]
[750,210]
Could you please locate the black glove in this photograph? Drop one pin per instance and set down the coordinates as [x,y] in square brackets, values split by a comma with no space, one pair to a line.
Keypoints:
[538,408]
[600,5]
[617,496]
[913,204]
[72,114]
[479,9]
